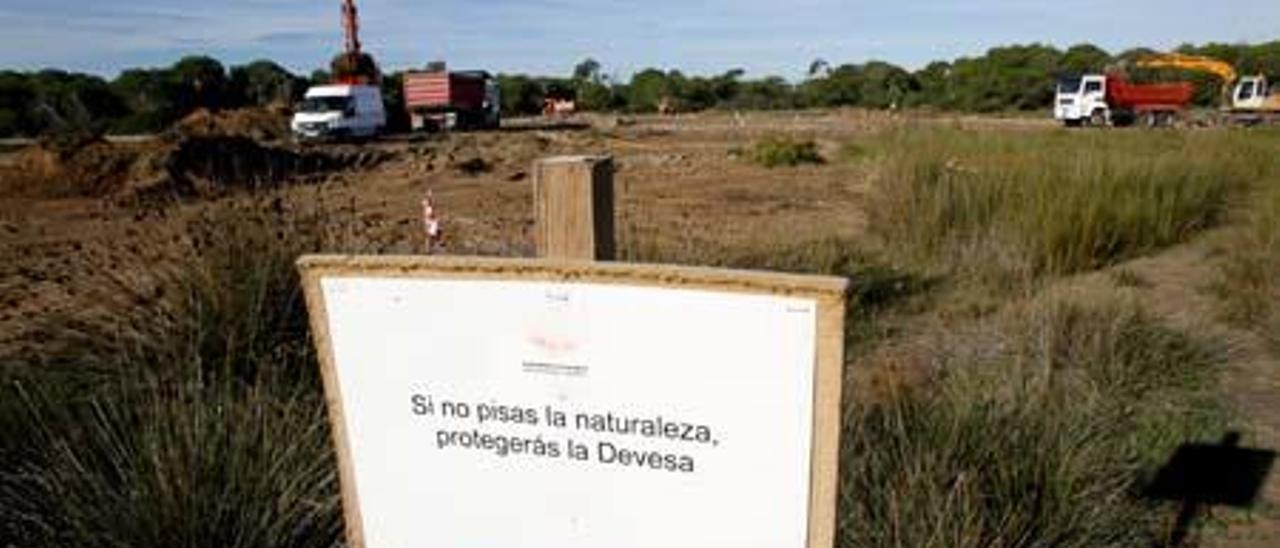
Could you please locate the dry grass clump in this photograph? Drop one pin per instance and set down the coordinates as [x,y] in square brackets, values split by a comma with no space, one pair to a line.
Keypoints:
[187,413]
[168,464]
[1044,442]
[1054,203]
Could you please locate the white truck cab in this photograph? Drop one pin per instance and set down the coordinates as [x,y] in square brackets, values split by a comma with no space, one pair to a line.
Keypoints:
[340,111]
[1082,99]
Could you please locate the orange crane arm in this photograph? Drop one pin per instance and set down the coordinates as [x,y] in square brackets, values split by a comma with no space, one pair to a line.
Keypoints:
[1192,62]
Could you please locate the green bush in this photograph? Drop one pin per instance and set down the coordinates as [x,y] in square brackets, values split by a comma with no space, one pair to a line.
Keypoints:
[774,152]
[1046,443]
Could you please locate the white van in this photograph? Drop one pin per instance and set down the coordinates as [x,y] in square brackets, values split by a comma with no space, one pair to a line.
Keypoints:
[340,111]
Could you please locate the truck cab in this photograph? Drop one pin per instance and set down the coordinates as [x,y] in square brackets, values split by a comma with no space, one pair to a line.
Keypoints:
[1082,99]
[340,111]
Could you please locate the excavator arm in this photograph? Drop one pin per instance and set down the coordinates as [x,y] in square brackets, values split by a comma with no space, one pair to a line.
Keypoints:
[1192,62]
[353,66]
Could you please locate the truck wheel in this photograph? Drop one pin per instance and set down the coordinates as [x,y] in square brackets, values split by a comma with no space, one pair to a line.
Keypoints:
[1122,118]
[1098,118]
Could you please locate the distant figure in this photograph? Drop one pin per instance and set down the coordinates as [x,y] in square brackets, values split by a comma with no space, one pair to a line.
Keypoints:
[433,227]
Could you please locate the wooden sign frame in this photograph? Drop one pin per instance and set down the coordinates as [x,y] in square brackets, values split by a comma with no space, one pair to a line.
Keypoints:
[828,292]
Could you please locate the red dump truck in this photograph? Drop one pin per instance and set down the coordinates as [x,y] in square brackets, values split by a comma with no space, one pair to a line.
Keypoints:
[442,100]
[1099,100]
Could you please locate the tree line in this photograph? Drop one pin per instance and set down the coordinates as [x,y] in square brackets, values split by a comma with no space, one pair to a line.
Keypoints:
[1019,77]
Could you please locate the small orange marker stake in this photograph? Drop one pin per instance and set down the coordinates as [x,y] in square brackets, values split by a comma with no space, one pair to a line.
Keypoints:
[433,226]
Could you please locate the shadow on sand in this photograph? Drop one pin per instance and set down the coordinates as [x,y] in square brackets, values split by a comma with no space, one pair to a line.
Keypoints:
[1201,476]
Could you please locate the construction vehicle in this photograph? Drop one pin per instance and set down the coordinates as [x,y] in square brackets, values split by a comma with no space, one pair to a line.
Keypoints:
[1110,99]
[438,99]
[353,67]
[560,103]
[1245,100]
[352,106]
[340,111]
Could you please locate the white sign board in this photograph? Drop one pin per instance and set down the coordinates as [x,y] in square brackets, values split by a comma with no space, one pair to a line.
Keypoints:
[504,412]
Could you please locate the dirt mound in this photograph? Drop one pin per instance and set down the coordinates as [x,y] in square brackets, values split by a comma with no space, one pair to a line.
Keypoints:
[259,124]
[204,166]
[90,168]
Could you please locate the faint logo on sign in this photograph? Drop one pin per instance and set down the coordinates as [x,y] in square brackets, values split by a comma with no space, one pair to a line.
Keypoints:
[552,337]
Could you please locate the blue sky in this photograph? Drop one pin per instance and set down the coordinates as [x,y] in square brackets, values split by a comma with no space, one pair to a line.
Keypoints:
[550,36]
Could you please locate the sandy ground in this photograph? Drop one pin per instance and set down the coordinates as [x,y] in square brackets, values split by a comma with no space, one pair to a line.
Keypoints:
[678,181]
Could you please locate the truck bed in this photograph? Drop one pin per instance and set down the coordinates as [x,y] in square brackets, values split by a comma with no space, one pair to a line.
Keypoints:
[442,91]
[1127,95]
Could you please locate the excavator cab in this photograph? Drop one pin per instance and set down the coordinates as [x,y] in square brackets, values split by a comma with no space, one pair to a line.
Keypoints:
[1256,94]
[1251,93]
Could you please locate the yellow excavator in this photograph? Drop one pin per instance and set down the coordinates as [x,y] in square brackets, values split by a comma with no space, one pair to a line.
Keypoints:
[1248,99]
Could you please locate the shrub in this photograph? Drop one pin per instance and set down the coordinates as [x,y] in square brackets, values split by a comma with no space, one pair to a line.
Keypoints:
[774,152]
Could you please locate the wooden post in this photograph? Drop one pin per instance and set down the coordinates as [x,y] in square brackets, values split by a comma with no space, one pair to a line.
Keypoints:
[573,208]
